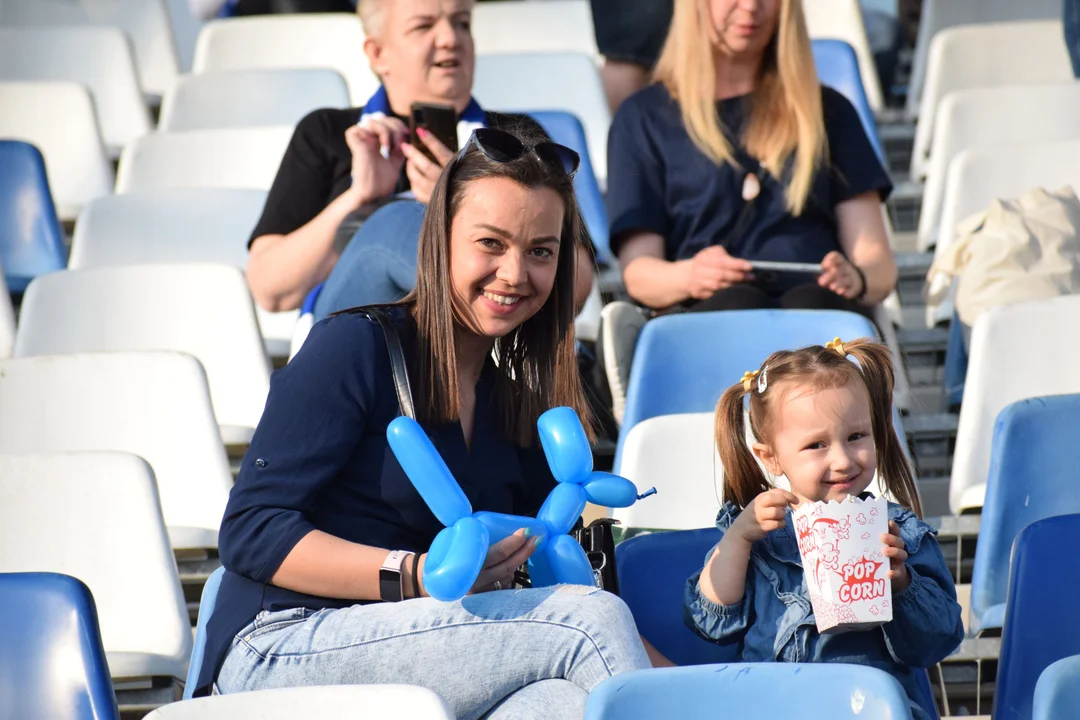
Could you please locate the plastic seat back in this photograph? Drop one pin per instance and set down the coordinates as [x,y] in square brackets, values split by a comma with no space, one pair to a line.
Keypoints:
[77,165]
[1017,351]
[566,129]
[96,516]
[152,404]
[306,40]
[838,67]
[653,570]
[555,26]
[198,648]
[98,57]
[49,621]
[1034,442]
[31,240]
[1057,693]
[812,691]
[250,98]
[843,20]
[526,82]
[1040,616]
[345,702]
[244,158]
[7,320]
[197,308]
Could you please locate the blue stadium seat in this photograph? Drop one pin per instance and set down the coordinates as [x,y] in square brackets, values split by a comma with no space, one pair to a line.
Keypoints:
[684,362]
[31,239]
[206,609]
[1033,453]
[566,129]
[1040,616]
[818,691]
[653,570]
[1057,694]
[838,67]
[52,663]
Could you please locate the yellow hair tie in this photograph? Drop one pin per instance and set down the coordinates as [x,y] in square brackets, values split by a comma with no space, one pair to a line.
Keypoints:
[837,345]
[748,380]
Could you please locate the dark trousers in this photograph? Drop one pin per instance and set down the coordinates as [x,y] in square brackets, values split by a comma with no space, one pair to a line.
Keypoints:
[809,296]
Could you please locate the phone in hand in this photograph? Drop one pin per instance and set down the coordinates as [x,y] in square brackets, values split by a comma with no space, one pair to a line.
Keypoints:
[439,120]
[791,267]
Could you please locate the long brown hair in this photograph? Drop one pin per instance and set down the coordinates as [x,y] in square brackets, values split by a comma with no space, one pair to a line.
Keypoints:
[537,364]
[818,367]
[785,121]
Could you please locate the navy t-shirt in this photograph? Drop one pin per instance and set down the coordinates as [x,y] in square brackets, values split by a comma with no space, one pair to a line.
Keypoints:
[660,182]
[320,460]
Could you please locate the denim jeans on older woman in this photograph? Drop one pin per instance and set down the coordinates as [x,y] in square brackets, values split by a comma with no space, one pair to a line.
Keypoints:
[510,654]
[379,263]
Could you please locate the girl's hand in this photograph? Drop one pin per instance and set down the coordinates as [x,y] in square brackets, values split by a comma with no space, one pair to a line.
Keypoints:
[897,554]
[422,172]
[764,514]
[840,276]
[503,558]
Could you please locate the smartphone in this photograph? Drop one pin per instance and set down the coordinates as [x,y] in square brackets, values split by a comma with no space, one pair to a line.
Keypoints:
[768,265]
[439,120]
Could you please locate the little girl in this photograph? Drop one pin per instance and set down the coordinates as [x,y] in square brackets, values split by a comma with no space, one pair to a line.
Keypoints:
[825,423]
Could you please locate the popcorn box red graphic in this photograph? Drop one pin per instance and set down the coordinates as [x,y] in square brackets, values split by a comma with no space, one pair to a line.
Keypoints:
[846,571]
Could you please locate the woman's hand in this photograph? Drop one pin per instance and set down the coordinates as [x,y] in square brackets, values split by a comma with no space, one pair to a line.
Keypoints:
[422,172]
[764,514]
[375,176]
[503,558]
[897,554]
[713,269]
[840,276]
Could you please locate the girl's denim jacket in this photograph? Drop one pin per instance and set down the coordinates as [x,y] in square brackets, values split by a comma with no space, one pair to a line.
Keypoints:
[775,622]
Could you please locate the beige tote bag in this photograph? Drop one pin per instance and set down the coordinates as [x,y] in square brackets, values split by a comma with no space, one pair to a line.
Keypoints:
[1017,250]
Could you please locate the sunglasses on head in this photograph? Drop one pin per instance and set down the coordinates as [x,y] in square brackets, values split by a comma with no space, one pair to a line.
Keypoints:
[502,147]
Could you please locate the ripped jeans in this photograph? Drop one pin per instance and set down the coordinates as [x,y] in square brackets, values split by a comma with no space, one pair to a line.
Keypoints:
[507,654]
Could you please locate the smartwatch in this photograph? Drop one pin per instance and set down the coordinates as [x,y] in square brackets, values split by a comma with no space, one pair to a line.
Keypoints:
[390,576]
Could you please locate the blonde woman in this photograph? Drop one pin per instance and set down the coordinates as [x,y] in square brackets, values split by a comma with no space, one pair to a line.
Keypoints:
[737,155]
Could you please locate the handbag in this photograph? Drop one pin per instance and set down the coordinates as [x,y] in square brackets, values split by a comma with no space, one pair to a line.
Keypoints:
[597,540]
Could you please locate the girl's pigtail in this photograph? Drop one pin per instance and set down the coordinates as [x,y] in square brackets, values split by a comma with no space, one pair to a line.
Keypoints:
[875,365]
[743,479]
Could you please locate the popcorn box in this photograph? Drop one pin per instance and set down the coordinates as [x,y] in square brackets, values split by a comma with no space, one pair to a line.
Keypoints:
[845,568]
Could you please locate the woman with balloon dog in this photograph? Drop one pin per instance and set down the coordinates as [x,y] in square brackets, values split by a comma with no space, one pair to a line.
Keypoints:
[324,538]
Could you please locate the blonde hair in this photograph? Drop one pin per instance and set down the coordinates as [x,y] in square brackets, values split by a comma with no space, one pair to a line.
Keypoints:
[817,367]
[785,118]
[372,15]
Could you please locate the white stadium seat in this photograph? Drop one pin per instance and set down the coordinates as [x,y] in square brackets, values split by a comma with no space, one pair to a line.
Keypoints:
[992,117]
[309,40]
[549,81]
[534,27]
[97,57]
[197,308]
[938,15]
[1017,351]
[990,55]
[178,226]
[246,158]
[152,404]
[58,118]
[342,702]
[842,20]
[146,23]
[95,516]
[249,98]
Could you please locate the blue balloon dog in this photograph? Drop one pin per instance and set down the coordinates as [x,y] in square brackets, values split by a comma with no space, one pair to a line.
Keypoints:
[457,555]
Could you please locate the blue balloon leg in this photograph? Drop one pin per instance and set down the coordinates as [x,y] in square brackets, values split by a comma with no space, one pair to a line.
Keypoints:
[562,508]
[455,559]
[565,445]
[569,562]
[427,471]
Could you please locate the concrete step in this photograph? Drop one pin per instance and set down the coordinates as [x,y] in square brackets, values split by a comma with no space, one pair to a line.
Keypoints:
[924,354]
[904,206]
[912,268]
[933,441]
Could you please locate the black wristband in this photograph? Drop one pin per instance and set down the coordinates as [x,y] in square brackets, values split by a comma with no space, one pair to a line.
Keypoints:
[862,277]
[415,575]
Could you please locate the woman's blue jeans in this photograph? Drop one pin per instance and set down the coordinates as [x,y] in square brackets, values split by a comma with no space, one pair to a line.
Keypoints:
[379,263]
[510,654]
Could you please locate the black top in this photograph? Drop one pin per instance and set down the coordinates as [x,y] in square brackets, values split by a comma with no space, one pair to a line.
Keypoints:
[320,460]
[317,167]
[659,181]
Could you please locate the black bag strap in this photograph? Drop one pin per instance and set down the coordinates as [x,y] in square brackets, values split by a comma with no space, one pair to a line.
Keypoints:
[398,367]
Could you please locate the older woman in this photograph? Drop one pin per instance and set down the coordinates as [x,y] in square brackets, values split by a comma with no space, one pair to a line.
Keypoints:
[737,155]
[343,163]
[321,505]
